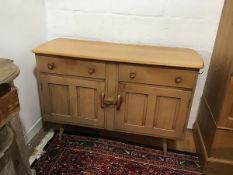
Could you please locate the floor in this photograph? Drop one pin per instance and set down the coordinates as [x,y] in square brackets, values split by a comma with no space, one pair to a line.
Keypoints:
[75,154]
[36,145]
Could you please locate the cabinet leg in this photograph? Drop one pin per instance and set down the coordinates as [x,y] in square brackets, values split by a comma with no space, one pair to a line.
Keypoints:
[165,147]
[61,131]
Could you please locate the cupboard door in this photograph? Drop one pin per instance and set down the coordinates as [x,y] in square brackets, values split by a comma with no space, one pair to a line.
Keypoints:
[72,100]
[154,111]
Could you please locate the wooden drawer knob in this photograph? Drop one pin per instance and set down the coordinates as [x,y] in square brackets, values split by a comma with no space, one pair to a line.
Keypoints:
[178,80]
[91,71]
[132,75]
[51,66]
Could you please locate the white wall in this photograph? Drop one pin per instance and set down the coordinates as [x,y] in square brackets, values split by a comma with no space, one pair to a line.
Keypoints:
[179,23]
[22,27]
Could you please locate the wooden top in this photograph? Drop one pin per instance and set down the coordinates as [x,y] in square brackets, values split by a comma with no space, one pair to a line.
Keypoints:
[8,71]
[140,54]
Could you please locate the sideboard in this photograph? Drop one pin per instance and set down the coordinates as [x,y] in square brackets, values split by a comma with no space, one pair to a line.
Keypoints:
[138,89]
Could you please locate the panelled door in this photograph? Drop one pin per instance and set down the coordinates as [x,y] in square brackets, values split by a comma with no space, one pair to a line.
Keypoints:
[150,110]
[72,100]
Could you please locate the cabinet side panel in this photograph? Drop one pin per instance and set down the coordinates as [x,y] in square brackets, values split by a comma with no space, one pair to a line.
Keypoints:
[206,124]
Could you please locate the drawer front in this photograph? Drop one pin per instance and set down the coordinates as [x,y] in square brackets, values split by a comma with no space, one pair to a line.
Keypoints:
[157,76]
[71,67]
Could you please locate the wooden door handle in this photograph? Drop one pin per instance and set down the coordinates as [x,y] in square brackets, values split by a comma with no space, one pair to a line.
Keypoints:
[106,101]
[119,101]
[109,101]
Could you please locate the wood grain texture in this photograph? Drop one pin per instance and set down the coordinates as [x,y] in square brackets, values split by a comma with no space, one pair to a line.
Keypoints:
[9,106]
[59,99]
[93,50]
[157,75]
[16,154]
[20,156]
[63,66]
[153,111]
[134,98]
[222,146]
[214,125]
[6,140]
[210,165]
[206,124]
[111,92]
[221,69]
[8,71]
[72,100]
[226,115]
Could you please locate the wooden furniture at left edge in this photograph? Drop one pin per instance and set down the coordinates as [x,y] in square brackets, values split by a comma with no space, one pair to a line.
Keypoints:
[143,90]
[14,158]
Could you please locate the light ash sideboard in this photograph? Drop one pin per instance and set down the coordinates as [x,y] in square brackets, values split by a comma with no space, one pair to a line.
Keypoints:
[144,90]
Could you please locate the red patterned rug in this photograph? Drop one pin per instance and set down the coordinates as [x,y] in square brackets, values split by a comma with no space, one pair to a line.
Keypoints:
[76,155]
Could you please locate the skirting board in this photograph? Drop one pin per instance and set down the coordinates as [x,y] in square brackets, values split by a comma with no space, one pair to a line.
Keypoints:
[33,131]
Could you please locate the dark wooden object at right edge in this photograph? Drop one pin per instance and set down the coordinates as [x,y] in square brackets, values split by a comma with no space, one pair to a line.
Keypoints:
[213,129]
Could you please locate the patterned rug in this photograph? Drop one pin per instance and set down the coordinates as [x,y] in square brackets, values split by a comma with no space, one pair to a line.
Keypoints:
[75,155]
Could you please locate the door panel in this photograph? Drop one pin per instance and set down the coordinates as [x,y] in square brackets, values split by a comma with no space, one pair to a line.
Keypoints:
[136,116]
[154,111]
[163,117]
[87,98]
[72,100]
[59,99]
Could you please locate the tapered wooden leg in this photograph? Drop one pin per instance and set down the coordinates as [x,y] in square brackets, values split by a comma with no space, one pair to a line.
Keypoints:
[165,147]
[61,131]
[19,150]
